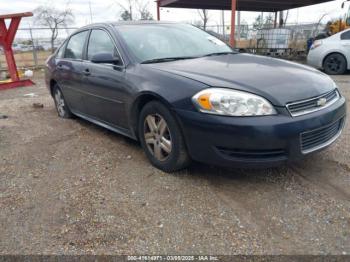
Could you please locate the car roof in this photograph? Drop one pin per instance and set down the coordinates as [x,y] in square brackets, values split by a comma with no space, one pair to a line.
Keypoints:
[142,22]
[121,23]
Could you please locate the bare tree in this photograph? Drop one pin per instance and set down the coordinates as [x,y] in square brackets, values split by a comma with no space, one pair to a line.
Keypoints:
[53,18]
[283,20]
[126,16]
[204,14]
[134,9]
[127,9]
[142,8]
[286,19]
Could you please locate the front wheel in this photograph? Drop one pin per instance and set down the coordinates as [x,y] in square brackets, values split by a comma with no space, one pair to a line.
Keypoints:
[161,138]
[335,64]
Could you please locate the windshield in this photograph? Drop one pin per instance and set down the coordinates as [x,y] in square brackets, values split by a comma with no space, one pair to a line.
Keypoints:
[157,41]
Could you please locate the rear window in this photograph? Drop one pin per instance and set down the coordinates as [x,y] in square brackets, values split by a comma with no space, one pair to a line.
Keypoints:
[345,36]
[75,46]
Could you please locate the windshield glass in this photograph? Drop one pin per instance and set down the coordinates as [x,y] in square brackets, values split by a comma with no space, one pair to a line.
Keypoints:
[157,41]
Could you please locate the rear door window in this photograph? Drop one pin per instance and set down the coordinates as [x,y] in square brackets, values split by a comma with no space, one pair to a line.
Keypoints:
[75,46]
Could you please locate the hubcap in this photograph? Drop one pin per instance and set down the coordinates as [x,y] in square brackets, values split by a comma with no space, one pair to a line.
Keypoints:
[334,64]
[157,137]
[59,103]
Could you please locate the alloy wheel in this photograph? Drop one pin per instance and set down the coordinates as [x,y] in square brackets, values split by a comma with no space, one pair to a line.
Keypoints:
[334,64]
[157,137]
[60,103]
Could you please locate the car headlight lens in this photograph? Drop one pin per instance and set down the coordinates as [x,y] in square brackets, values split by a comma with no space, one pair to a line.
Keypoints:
[316,44]
[229,102]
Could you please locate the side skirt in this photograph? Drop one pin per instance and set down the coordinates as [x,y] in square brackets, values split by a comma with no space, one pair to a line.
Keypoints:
[118,130]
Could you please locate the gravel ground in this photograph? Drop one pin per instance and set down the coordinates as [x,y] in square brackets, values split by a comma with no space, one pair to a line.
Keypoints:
[70,187]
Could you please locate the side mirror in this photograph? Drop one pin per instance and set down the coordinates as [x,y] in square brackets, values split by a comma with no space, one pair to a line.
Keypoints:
[105,58]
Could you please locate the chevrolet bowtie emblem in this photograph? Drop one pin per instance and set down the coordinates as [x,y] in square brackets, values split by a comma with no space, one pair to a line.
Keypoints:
[322,102]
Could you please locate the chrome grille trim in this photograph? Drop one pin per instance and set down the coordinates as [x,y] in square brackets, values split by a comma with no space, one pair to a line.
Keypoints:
[310,105]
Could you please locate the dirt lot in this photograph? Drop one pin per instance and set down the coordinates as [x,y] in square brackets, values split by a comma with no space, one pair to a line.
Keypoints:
[67,186]
[25,59]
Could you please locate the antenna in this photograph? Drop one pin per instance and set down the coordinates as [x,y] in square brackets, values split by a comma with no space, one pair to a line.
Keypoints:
[90,11]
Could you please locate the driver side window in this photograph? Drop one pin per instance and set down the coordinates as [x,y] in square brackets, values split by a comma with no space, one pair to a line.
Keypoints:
[100,42]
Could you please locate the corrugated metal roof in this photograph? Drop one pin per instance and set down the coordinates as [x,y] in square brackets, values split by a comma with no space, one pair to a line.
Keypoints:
[242,5]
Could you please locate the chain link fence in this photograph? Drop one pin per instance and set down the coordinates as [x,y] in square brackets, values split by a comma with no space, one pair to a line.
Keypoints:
[291,41]
[32,46]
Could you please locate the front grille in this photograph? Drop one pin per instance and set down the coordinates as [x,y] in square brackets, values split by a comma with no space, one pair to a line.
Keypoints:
[257,155]
[322,137]
[313,104]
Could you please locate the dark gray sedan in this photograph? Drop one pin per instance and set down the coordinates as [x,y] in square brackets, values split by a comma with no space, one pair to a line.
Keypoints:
[185,94]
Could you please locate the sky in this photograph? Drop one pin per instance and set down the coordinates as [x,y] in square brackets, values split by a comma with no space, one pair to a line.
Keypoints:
[108,10]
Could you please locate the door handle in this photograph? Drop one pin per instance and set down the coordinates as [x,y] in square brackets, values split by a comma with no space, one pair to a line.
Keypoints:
[86,72]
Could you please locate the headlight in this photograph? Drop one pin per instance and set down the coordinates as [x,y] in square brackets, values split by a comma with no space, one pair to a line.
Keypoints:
[316,44]
[229,102]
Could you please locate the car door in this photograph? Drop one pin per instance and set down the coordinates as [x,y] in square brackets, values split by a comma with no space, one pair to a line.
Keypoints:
[70,71]
[104,83]
[345,43]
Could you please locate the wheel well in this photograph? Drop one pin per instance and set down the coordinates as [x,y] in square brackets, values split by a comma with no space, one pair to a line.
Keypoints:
[346,61]
[137,107]
[52,84]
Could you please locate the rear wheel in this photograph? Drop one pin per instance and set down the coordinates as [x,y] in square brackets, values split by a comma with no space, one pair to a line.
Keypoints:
[161,138]
[335,64]
[61,105]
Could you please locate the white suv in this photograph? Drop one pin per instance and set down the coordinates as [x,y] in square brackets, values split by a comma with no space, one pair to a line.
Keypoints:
[331,54]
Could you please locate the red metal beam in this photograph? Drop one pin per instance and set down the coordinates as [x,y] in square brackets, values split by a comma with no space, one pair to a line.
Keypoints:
[233,22]
[6,41]
[11,64]
[18,83]
[9,16]
[7,36]
[11,31]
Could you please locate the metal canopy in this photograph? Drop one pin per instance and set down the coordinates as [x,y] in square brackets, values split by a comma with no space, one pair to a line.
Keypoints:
[242,5]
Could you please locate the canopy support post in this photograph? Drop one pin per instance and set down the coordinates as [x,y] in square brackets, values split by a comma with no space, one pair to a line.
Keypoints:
[233,22]
[275,23]
[158,10]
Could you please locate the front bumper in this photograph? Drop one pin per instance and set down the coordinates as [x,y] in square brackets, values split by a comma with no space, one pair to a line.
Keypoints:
[254,141]
[314,59]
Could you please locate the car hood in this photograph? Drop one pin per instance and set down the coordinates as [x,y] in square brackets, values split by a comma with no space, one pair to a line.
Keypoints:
[277,80]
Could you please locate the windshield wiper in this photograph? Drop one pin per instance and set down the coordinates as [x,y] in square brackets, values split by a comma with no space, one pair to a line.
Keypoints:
[167,59]
[220,53]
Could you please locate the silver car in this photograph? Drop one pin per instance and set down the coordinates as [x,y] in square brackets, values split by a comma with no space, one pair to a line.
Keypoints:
[331,54]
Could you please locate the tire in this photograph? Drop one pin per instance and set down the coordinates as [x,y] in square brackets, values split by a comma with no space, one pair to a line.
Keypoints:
[335,64]
[161,138]
[60,103]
